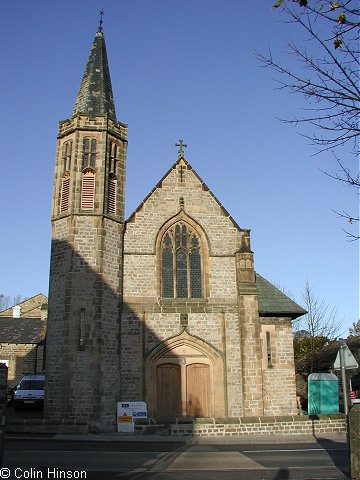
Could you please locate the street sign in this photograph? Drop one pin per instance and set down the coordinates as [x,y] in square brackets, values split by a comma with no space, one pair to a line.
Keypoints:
[127,412]
[349,359]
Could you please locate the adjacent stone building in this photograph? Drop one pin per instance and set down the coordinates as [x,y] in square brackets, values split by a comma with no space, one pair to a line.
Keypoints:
[164,307]
[22,335]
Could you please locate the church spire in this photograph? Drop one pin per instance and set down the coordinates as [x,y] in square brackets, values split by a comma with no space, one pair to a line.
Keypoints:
[95,96]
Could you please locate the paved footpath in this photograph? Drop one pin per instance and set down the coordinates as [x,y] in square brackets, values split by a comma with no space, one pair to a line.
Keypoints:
[239,440]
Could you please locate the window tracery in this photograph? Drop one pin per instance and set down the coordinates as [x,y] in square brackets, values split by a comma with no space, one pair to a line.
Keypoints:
[89,153]
[66,156]
[181,262]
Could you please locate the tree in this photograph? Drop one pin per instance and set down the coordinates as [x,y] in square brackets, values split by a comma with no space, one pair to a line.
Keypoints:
[321,320]
[328,77]
[17,299]
[314,338]
[354,331]
[4,302]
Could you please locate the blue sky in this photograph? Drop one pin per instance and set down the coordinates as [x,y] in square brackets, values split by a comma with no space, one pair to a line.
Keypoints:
[179,70]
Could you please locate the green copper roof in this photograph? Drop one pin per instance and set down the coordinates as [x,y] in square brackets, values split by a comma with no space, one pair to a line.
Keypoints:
[95,96]
[272,302]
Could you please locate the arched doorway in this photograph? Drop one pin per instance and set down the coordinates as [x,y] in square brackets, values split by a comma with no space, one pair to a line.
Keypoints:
[181,374]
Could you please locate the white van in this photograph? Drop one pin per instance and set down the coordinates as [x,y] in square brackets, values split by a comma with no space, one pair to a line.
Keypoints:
[30,391]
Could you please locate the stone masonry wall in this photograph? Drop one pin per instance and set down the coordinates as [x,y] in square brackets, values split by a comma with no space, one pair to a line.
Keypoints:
[222,237]
[21,358]
[84,277]
[280,425]
[144,225]
[147,319]
[226,318]
[279,387]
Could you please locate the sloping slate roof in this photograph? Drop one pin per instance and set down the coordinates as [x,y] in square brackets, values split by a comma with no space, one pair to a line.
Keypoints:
[20,330]
[31,307]
[272,302]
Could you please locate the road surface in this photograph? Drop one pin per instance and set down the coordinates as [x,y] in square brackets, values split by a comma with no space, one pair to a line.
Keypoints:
[51,458]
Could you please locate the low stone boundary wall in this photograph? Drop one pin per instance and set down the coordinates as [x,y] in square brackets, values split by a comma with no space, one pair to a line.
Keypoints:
[282,425]
[38,425]
[206,427]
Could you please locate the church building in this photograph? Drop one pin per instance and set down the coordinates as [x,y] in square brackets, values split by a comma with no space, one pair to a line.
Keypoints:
[164,307]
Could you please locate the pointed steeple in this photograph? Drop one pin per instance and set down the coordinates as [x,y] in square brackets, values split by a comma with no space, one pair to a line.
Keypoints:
[95,96]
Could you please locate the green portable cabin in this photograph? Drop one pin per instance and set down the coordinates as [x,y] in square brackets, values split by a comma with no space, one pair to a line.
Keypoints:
[323,393]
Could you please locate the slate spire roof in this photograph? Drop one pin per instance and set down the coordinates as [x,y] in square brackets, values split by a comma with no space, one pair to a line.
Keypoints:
[95,96]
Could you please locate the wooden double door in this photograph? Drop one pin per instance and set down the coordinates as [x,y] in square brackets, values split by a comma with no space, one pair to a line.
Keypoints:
[183,390]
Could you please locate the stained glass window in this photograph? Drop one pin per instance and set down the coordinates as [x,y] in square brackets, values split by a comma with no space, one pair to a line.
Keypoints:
[181,263]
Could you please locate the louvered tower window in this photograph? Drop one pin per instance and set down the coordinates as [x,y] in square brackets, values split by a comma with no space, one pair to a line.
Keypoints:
[111,208]
[181,263]
[65,192]
[88,190]
[89,153]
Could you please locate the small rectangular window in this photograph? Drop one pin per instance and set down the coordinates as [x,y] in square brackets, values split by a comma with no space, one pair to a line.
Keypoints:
[63,157]
[112,157]
[268,349]
[68,155]
[86,152]
[93,153]
[82,328]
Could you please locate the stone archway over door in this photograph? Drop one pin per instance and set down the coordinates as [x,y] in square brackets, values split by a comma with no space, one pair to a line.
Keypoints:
[198,400]
[185,377]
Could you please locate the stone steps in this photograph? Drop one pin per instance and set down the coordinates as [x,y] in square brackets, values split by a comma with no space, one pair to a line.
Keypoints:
[173,426]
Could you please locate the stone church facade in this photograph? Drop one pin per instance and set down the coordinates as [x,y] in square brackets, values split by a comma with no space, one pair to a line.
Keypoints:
[165,307]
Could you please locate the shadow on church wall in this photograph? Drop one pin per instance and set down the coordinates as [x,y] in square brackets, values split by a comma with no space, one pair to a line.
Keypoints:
[98,349]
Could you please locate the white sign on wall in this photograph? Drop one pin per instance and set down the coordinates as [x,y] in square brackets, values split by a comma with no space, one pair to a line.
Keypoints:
[127,412]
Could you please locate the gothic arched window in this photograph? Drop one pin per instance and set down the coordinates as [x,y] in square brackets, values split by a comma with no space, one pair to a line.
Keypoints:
[89,153]
[113,150]
[66,156]
[181,262]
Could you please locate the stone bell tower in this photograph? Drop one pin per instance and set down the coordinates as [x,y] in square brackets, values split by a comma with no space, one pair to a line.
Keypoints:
[82,344]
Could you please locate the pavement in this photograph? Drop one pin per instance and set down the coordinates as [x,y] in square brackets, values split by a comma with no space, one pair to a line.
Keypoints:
[187,440]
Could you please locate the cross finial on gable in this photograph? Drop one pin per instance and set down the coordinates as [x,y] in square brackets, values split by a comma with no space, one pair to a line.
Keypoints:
[180,145]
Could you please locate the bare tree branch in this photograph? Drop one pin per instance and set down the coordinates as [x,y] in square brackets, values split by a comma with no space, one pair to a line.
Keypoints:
[327,76]
[4,302]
